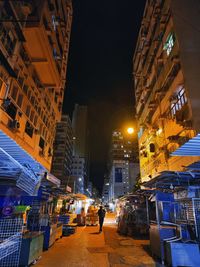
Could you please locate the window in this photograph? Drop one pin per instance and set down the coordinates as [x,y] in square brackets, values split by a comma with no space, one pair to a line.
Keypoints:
[169,43]
[29,94]
[29,129]
[178,100]
[32,115]
[41,143]
[28,109]
[11,110]
[19,100]
[25,89]
[35,120]
[32,100]
[14,92]
[21,81]
[118,175]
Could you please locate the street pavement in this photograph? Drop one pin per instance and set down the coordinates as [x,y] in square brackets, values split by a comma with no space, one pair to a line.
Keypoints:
[89,248]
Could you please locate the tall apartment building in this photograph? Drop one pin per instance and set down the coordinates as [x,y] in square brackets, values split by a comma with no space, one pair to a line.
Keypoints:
[123,172]
[80,128]
[166,73]
[62,155]
[105,191]
[78,174]
[80,150]
[34,45]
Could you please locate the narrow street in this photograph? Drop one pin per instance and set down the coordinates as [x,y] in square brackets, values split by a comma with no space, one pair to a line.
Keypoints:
[89,248]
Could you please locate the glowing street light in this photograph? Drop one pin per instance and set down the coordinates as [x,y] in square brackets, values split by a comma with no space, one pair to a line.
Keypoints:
[130,130]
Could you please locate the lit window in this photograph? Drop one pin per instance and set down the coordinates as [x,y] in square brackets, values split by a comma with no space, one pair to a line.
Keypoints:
[169,43]
[179,100]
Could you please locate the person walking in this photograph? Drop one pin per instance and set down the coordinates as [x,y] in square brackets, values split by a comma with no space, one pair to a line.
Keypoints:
[101,214]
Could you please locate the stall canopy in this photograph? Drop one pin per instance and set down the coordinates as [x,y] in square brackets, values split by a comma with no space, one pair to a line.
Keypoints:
[26,179]
[195,166]
[190,148]
[16,164]
[171,180]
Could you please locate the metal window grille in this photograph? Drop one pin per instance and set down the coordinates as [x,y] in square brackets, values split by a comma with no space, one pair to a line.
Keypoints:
[184,211]
[196,210]
[10,238]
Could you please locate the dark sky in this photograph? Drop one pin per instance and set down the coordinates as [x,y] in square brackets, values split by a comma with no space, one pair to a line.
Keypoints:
[104,34]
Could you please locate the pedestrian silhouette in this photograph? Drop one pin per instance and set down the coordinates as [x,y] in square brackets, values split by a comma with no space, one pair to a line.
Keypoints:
[101,214]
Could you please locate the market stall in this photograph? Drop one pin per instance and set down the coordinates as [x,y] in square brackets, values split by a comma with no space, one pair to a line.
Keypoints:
[132,216]
[92,215]
[174,228]
[24,191]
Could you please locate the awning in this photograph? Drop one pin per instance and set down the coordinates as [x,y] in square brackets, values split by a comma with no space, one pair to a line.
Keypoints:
[190,148]
[16,164]
[172,180]
[19,154]
[195,166]
[11,170]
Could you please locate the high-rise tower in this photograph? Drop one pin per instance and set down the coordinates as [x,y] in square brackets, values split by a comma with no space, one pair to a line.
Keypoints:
[34,45]
[166,73]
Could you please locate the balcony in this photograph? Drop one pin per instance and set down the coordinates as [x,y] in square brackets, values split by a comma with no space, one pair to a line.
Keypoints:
[41,53]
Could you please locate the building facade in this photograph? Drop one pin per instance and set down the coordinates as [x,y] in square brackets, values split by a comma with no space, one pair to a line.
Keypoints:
[79,125]
[105,191]
[78,174]
[34,45]
[122,171]
[166,70]
[62,155]
[80,150]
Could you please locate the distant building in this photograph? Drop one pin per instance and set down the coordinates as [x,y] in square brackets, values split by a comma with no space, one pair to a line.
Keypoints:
[80,149]
[34,46]
[89,189]
[166,74]
[62,156]
[123,164]
[105,191]
[80,128]
[78,173]
[95,194]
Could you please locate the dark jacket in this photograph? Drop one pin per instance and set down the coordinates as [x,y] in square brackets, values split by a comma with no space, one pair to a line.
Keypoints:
[101,213]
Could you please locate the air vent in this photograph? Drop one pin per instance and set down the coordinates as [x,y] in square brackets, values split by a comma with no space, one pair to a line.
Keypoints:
[14,124]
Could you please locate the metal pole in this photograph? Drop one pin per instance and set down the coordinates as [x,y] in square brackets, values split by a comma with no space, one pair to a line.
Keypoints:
[147,208]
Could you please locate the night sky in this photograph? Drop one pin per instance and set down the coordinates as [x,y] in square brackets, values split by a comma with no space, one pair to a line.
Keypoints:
[103,38]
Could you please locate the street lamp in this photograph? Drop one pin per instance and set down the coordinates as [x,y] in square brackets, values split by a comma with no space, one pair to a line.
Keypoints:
[130,130]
